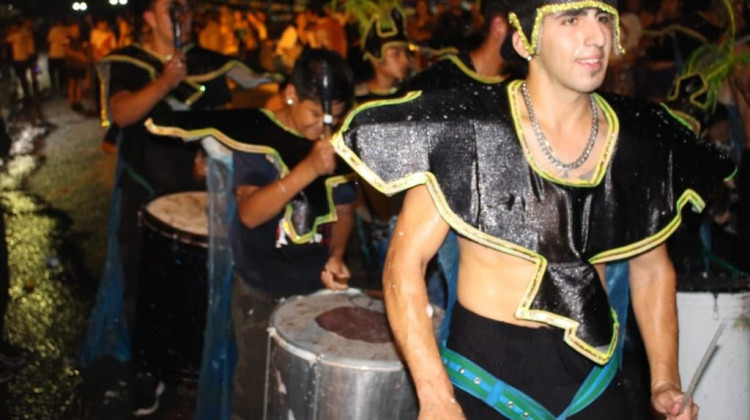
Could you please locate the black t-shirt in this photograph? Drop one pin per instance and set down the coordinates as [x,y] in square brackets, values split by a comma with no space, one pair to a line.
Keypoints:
[443,74]
[264,256]
[164,162]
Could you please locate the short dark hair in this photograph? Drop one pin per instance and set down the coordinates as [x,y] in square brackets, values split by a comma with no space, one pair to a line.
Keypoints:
[139,8]
[308,72]
[490,9]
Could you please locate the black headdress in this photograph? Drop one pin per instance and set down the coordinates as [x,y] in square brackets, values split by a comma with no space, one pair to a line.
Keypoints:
[527,15]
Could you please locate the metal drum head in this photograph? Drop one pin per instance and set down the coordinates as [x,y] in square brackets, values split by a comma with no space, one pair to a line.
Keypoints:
[348,328]
[183,211]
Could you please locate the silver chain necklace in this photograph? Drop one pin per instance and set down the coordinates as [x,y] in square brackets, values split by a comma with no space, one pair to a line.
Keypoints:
[544,144]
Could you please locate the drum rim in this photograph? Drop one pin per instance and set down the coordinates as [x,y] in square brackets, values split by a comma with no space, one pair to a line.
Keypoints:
[166,230]
[340,362]
[348,362]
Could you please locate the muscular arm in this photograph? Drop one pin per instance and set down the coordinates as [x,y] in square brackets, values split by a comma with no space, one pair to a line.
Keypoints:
[653,290]
[341,230]
[257,205]
[335,274]
[419,232]
[130,107]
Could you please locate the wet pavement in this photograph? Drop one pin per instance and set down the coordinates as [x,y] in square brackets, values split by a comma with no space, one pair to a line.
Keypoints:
[54,190]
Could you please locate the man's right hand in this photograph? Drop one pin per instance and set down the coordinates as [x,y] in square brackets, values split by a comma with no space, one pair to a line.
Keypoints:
[174,72]
[322,157]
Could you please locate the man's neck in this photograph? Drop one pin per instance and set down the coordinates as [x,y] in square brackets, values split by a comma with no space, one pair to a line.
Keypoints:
[487,60]
[557,105]
[381,83]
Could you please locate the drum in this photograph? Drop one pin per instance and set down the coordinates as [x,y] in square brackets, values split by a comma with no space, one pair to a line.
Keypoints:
[332,357]
[172,288]
[702,303]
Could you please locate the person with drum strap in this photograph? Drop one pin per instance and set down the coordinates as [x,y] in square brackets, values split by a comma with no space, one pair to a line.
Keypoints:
[158,75]
[294,204]
[544,181]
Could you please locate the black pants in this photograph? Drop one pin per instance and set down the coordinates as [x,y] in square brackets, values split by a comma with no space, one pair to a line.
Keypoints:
[533,360]
[133,198]
[57,74]
[21,69]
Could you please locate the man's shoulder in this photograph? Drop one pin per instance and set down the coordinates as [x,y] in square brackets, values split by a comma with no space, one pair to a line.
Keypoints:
[628,109]
[131,51]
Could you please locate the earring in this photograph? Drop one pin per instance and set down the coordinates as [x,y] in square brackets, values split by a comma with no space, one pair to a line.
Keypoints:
[528,58]
[289,101]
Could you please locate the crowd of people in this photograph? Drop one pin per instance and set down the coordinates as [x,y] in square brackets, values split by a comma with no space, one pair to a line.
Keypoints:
[297,210]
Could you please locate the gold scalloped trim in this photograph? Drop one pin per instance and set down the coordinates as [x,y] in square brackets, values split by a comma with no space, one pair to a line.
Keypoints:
[488,80]
[533,46]
[613,132]
[688,196]
[194,81]
[276,160]
[673,95]
[524,310]
[540,263]
[271,116]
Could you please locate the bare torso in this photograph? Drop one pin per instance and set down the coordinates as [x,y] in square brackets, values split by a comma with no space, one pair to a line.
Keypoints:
[492,284]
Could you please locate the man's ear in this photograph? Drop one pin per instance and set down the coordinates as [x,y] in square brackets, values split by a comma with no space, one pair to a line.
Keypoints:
[499,28]
[519,46]
[290,92]
[150,18]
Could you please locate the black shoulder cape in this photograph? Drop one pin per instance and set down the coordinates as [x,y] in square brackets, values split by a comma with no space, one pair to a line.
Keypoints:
[464,145]
[206,71]
[258,131]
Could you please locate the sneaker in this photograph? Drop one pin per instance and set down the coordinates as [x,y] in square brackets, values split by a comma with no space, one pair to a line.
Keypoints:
[145,394]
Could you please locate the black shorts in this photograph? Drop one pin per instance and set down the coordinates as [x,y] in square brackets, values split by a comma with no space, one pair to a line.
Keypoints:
[533,360]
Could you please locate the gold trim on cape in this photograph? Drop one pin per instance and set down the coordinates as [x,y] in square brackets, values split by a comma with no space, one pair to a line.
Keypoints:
[613,132]
[487,80]
[276,159]
[195,81]
[524,310]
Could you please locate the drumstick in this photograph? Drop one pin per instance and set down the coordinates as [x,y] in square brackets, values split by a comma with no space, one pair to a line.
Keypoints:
[174,14]
[702,365]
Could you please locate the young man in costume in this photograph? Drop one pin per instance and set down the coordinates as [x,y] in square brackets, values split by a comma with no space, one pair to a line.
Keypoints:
[483,65]
[294,213]
[384,46]
[150,78]
[545,181]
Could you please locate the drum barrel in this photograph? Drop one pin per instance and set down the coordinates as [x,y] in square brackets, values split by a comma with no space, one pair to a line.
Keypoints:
[309,387]
[171,301]
[317,373]
[724,389]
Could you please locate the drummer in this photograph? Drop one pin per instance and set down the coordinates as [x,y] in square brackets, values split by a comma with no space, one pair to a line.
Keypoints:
[294,212]
[149,78]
